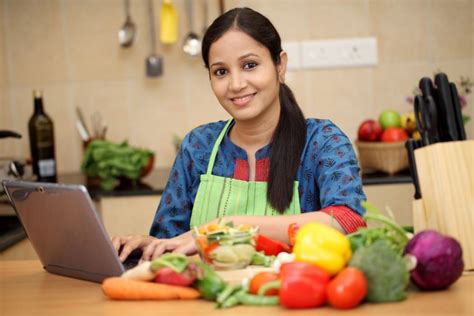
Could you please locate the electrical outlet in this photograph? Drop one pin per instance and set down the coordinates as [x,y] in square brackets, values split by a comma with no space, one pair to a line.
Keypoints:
[293,51]
[351,52]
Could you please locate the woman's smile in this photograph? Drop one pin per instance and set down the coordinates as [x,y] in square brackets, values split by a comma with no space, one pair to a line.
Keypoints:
[243,100]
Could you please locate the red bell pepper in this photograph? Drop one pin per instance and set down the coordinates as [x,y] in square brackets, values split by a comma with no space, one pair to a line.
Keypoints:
[301,285]
[270,246]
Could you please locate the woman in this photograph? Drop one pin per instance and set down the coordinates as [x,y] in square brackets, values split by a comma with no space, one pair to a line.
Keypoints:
[267,160]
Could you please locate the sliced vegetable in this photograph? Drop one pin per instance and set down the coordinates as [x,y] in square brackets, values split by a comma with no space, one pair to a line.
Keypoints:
[439,260]
[177,262]
[385,270]
[261,279]
[260,259]
[347,289]
[167,275]
[118,288]
[270,246]
[323,246]
[140,272]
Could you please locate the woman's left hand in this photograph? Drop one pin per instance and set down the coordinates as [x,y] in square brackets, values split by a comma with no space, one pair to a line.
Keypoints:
[181,244]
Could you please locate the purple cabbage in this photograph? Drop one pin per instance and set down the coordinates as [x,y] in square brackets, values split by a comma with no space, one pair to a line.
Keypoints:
[439,260]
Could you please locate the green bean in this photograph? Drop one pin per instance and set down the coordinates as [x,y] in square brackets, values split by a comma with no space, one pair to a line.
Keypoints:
[250,299]
[227,292]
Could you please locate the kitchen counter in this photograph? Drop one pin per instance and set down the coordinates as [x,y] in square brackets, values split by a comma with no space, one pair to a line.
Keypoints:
[11,231]
[28,290]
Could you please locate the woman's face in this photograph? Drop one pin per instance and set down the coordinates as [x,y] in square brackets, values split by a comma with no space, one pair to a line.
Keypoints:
[244,78]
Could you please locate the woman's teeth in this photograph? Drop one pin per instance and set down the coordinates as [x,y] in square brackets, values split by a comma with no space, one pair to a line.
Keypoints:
[242,100]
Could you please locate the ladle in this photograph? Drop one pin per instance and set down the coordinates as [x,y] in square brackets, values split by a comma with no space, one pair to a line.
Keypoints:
[126,34]
[154,62]
[192,42]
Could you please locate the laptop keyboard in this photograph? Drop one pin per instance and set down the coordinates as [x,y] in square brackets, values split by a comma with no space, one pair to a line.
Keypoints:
[130,263]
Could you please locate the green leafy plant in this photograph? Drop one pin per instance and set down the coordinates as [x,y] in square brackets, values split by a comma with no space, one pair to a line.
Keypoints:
[110,161]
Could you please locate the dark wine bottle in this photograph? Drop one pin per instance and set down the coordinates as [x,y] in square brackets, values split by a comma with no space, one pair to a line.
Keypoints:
[41,131]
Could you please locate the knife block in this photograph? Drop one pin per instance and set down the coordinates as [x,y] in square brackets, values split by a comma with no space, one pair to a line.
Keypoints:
[446,176]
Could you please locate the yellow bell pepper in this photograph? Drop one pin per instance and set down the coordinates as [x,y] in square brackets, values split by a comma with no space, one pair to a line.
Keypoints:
[322,245]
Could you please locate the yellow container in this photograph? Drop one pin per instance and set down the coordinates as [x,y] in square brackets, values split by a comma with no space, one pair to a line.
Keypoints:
[168,23]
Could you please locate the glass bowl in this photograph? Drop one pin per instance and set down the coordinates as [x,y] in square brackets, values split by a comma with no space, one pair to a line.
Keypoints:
[225,246]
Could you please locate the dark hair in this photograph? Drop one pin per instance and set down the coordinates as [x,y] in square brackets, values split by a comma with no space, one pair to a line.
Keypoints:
[290,134]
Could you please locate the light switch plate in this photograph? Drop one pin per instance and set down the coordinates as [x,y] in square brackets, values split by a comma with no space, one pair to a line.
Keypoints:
[336,53]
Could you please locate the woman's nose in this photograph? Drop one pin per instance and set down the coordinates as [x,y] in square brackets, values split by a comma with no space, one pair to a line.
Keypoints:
[237,82]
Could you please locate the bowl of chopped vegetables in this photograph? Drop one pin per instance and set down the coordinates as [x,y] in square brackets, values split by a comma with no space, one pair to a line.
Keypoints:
[226,246]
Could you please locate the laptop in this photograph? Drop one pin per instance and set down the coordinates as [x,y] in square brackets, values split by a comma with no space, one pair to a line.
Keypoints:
[65,230]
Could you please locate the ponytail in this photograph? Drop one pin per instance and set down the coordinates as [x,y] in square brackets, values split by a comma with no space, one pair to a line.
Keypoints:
[288,142]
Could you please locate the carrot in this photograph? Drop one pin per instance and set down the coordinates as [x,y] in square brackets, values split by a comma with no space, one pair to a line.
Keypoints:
[126,289]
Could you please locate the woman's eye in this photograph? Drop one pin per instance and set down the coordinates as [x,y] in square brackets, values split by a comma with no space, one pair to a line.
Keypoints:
[250,65]
[220,72]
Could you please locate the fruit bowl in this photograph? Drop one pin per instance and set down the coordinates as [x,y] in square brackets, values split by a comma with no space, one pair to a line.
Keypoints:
[225,246]
[386,157]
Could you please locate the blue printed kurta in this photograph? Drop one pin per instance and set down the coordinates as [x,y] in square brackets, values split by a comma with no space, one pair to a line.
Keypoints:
[328,175]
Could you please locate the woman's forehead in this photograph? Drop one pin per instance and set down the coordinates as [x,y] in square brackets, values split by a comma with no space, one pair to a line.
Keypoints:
[234,44]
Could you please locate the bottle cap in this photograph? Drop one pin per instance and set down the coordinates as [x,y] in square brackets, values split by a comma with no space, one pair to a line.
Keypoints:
[37,94]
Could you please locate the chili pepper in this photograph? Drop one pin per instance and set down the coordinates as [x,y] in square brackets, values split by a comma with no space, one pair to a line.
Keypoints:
[292,230]
[270,246]
[208,282]
[322,245]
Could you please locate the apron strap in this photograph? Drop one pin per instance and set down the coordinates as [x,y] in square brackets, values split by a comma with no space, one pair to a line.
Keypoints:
[215,149]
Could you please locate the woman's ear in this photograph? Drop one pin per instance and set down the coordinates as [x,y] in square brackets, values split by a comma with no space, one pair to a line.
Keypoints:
[282,66]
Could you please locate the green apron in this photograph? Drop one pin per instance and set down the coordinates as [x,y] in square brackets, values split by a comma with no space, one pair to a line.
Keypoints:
[220,196]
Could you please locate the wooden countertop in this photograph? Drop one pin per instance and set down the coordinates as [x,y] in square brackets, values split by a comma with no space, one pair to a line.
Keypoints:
[26,289]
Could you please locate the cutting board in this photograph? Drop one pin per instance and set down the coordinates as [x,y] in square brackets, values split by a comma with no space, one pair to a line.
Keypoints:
[236,276]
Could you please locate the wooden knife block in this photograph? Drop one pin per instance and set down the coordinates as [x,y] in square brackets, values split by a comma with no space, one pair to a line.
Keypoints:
[446,176]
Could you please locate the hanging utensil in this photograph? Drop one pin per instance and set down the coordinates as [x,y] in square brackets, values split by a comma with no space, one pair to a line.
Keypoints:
[126,34]
[154,62]
[168,23]
[205,8]
[192,42]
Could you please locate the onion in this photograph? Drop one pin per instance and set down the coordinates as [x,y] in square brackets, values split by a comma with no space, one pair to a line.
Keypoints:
[439,260]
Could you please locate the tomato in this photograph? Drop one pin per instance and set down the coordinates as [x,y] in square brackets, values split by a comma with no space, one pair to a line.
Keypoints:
[394,134]
[262,278]
[347,289]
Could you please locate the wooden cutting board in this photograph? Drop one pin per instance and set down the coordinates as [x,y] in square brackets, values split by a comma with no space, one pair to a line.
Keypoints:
[236,276]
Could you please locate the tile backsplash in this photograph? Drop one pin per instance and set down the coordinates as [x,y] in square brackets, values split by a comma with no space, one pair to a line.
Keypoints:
[69,49]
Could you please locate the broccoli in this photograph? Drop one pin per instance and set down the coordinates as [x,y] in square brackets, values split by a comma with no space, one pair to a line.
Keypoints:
[385,270]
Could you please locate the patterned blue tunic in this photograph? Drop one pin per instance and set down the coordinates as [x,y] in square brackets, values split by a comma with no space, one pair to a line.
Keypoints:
[328,174]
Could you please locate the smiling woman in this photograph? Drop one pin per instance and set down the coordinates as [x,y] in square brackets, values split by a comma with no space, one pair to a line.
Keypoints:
[268,166]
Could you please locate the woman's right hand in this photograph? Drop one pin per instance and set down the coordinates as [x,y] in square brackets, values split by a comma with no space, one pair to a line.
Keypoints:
[129,243]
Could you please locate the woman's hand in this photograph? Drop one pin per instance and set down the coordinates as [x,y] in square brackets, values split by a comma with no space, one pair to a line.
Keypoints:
[183,243]
[152,247]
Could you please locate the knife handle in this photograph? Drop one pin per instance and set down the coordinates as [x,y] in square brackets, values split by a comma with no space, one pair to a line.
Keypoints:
[457,111]
[426,87]
[445,108]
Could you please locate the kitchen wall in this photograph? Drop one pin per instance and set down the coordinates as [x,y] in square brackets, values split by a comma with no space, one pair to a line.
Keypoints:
[69,49]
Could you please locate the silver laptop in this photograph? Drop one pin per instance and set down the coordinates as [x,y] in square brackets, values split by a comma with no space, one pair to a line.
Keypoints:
[64,229]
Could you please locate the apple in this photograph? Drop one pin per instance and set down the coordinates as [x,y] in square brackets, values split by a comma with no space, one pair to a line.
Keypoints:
[369,130]
[409,122]
[390,118]
[394,134]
